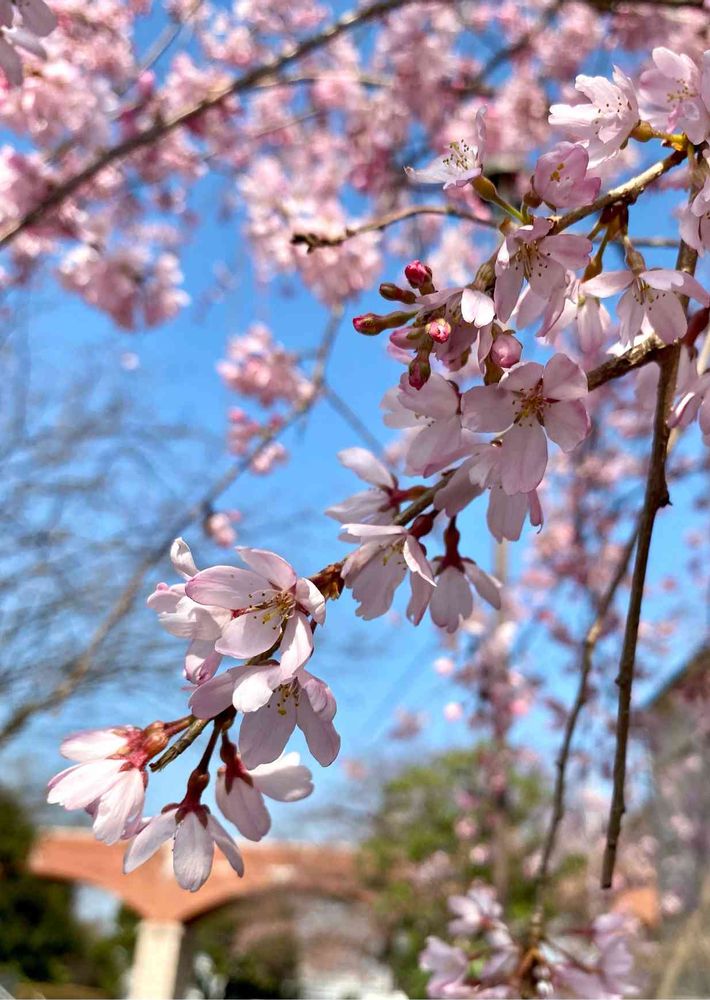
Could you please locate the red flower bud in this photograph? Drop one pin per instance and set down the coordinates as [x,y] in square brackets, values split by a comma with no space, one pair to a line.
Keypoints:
[417,273]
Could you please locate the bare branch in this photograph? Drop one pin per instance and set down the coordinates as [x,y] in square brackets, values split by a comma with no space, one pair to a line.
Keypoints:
[656,496]
[314,241]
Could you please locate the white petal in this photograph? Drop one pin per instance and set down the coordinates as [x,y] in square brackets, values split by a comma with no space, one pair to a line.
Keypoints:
[157,830]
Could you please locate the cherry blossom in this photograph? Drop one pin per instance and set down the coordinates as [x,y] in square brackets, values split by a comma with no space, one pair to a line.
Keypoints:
[531,253]
[269,604]
[240,793]
[604,125]
[378,505]
[181,616]
[529,403]
[458,167]
[273,707]
[109,781]
[448,966]
[673,94]
[561,179]
[195,832]
[375,570]
[650,300]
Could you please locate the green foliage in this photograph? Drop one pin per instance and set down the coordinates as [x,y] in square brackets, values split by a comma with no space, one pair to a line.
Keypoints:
[40,938]
[415,859]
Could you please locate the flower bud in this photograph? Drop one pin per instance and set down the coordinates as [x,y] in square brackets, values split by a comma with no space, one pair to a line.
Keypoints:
[439,330]
[419,372]
[393,293]
[367,324]
[485,188]
[417,273]
[506,350]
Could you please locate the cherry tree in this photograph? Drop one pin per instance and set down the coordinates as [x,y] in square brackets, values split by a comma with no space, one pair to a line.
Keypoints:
[550,373]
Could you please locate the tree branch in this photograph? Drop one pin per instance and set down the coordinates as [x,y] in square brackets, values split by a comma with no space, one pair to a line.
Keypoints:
[656,496]
[314,241]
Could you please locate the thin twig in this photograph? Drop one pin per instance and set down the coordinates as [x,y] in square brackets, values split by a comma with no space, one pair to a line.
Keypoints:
[314,241]
[164,126]
[656,496]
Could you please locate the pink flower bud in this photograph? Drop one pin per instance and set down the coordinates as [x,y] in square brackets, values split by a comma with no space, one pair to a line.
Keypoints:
[506,350]
[417,273]
[439,330]
[419,372]
[400,338]
[367,324]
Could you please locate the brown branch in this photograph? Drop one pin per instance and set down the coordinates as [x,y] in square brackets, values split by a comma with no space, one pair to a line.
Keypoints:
[314,241]
[656,496]
[627,192]
[164,126]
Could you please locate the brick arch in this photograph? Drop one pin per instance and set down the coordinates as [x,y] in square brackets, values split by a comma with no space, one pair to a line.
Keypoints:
[152,892]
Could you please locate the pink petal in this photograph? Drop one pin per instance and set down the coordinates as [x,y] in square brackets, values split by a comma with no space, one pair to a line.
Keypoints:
[264,734]
[228,587]
[666,315]
[364,464]
[523,458]
[92,744]
[421,591]
[251,633]
[506,514]
[451,602]
[226,844]
[322,739]
[564,379]
[296,645]
[193,851]
[119,806]
[201,661]
[80,785]
[488,408]
[254,685]
[567,423]
[416,560]
[477,307]
[630,313]
[277,571]
[507,289]
[214,695]
[157,830]
[319,695]
[666,279]
[310,598]
[487,586]
[607,283]
[244,806]
[285,780]
[524,375]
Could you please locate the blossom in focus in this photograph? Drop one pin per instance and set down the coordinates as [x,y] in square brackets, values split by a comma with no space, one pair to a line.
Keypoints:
[375,570]
[603,125]
[674,94]
[528,405]
[272,708]
[240,792]
[195,832]
[434,411]
[462,164]
[109,781]
[650,300]
[269,604]
[560,177]
[530,253]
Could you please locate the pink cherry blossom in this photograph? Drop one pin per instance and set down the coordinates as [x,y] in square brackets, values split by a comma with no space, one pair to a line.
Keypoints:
[672,95]
[529,253]
[181,616]
[695,217]
[109,782]
[378,505]
[694,402]
[451,602]
[506,350]
[269,604]
[476,912]
[435,410]
[605,124]
[462,164]
[650,300]
[219,526]
[240,793]
[561,179]
[375,570]
[529,403]
[506,514]
[273,707]
[195,832]
[448,966]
